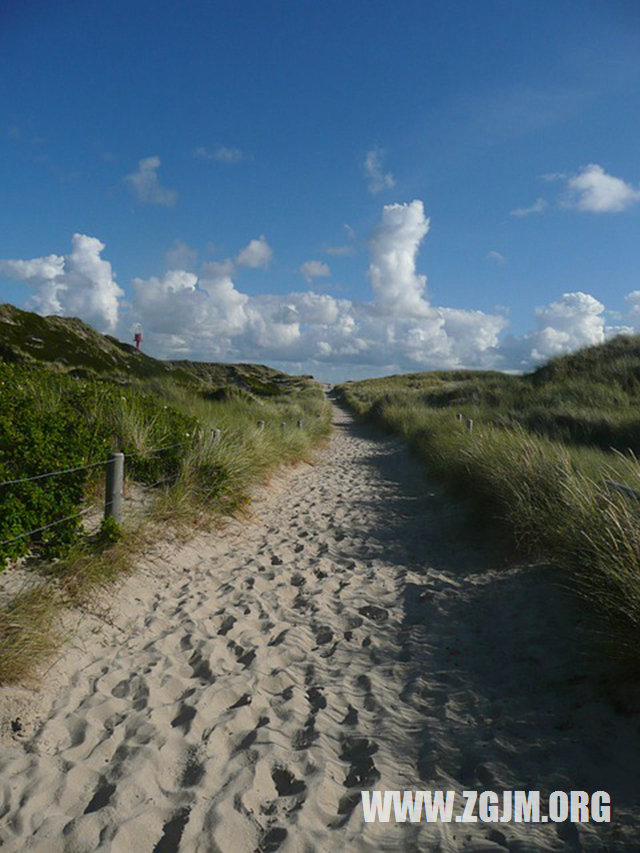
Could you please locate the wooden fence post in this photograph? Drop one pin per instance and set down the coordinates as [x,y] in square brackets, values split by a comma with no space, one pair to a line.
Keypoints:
[114,486]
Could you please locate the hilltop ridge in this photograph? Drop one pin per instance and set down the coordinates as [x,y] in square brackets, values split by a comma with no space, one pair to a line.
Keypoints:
[73,346]
[615,361]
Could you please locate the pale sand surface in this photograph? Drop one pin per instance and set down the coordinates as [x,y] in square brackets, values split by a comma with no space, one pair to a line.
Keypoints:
[344,637]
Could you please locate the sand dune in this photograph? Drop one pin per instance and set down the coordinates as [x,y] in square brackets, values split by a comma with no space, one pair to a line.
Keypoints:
[254,682]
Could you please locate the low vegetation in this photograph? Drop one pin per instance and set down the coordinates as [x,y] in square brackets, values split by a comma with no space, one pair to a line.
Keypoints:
[85,401]
[538,466]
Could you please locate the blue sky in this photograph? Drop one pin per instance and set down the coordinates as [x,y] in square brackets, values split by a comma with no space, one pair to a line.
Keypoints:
[273,181]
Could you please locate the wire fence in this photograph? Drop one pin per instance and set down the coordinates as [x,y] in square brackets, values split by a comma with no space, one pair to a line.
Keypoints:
[47,526]
[53,474]
[90,466]
[114,480]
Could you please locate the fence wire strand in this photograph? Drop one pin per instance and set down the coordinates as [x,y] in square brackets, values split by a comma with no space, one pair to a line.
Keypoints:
[87,467]
[47,526]
[53,474]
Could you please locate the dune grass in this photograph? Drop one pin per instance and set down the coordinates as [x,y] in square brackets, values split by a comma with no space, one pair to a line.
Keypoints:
[538,479]
[222,469]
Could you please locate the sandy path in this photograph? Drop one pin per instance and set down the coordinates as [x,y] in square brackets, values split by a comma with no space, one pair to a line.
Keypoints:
[342,639]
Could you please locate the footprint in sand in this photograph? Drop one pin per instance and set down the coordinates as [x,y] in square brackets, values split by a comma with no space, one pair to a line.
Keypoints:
[323,634]
[200,668]
[251,737]
[172,832]
[376,614]
[272,840]
[351,717]
[277,640]
[364,683]
[101,796]
[305,736]
[362,772]
[186,643]
[316,699]
[227,624]
[245,657]
[300,602]
[184,718]
[286,783]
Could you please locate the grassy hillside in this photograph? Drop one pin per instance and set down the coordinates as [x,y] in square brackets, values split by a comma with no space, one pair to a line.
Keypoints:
[72,346]
[537,466]
[590,398]
[68,397]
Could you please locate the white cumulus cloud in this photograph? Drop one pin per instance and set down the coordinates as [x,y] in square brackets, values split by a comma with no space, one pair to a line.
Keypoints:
[46,269]
[146,186]
[394,246]
[633,301]
[378,179]
[399,329]
[593,190]
[79,284]
[402,326]
[573,321]
[258,253]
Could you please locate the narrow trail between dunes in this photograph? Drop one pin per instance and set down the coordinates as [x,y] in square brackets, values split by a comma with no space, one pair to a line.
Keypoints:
[344,638]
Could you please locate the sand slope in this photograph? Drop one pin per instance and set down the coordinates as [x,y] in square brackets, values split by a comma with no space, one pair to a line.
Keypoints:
[254,682]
